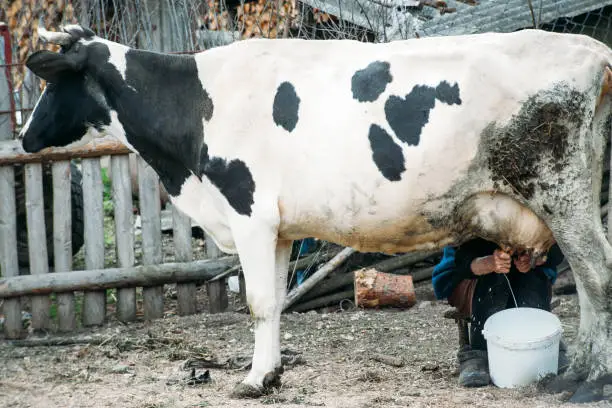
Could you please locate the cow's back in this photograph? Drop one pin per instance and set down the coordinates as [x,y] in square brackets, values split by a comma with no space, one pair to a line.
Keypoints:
[364,165]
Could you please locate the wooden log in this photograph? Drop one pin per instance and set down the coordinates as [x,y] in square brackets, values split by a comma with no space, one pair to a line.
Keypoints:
[62,240]
[181,234]
[94,302]
[9,265]
[150,213]
[124,232]
[329,285]
[217,296]
[323,301]
[375,289]
[422,274]
[404,260]
[340,280]
[11,152]
[319,275]
[37,241]
[99,279]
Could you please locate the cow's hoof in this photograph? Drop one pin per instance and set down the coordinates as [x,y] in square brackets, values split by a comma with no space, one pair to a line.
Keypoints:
[245,391]
[580,390]
[594,391]
[271,380]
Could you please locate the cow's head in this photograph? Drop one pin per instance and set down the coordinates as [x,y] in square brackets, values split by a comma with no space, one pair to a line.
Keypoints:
[72,103]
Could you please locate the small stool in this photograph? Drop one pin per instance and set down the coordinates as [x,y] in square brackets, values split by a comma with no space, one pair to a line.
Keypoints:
[462,321]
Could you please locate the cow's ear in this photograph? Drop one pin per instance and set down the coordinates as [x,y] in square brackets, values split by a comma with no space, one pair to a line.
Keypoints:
[50,66]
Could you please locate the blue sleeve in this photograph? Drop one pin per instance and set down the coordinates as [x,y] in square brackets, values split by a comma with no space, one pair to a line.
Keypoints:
[442,275]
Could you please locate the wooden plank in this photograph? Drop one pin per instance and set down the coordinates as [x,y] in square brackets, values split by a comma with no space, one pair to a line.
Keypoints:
[6,119]
[37,241]
[62,240]
[243,296]
[217,296]
[94,302]
[212,250]
[124,232]
[181,230]
[9,265]
[217,290]
[150,213]
[99,279]
[11,152]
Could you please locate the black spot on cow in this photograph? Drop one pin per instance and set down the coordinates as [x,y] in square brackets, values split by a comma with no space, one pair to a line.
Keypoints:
[161,105]
[233,179]
[286,106]
[387,155]
[369,83]
[448,94]
[407,116]
[208,106]
[536,140]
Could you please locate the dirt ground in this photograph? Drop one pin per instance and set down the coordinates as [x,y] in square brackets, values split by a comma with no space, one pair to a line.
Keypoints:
[148,364]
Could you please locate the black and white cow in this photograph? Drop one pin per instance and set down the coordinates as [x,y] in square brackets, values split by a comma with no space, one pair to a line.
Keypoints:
[394,147]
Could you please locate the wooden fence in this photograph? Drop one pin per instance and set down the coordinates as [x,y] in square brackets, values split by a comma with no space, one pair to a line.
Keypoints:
[95,279]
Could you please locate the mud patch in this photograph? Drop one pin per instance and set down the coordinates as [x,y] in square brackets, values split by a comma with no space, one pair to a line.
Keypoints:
[536,140]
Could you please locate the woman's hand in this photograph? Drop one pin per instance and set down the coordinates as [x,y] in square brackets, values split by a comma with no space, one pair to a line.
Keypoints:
[499,262]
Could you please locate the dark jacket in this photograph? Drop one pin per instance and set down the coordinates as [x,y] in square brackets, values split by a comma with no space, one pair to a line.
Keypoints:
[455,265]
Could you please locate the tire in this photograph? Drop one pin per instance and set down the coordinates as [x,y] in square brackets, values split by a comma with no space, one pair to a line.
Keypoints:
[76,192]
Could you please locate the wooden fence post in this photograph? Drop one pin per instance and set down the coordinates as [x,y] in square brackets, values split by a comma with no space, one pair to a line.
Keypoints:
[148,187]
[9,265]
[124,232]
[181,234]
[37,241]
[62,240]
[217,289]
[94,302]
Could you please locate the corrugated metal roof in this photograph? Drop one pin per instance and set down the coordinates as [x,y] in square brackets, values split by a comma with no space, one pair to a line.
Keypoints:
[488,15]
[504,15]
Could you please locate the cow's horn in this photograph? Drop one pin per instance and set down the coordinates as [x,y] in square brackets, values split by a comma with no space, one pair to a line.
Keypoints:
[54,37]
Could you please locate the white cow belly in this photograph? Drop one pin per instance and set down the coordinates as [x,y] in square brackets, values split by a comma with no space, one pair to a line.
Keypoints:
[201,201]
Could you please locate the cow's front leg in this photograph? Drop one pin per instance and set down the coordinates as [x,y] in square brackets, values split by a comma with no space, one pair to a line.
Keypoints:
[589,254]
[265,263]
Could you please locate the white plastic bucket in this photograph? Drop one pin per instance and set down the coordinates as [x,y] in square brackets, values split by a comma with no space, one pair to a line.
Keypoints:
[523,346]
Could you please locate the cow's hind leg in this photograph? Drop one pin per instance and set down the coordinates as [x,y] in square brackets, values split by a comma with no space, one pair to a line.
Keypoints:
[581,238]
[265,262]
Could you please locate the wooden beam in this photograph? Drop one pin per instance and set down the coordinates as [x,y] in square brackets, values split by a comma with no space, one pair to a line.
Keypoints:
[62,240]
[150,213]
[124,232]
[11,152]
[319,275]
[181,235]
[100,279]
[9,265]
[94,302]
[37,241]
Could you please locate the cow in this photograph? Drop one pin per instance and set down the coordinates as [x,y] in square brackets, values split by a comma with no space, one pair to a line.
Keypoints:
[383,147]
